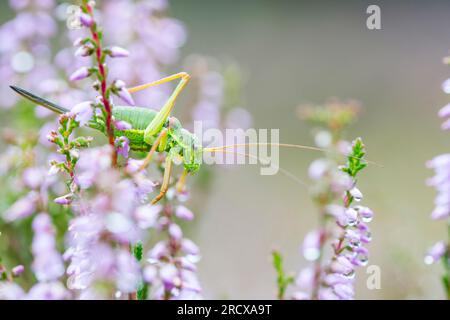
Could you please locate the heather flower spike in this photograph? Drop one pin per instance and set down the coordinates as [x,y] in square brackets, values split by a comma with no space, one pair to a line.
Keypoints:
[440,181]
[334,192]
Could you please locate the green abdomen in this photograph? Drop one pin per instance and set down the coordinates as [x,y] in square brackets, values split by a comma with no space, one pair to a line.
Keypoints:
[139,118]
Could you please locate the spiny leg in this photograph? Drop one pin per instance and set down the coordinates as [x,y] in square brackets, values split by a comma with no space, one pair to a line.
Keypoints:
[155,145]
[166,180]
[181,181]
[181,75]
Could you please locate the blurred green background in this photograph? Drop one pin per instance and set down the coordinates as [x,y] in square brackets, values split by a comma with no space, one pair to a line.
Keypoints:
[296,52]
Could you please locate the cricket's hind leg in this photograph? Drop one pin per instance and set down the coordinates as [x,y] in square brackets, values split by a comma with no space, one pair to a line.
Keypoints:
[158,121]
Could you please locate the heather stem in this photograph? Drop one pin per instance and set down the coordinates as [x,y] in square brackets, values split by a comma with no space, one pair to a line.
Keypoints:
[99,56]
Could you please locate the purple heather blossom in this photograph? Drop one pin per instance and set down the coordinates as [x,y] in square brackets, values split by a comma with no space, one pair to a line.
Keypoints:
[118,52]
[83,112]
[122,125]
[147,215]
[441,166]
[123,146]
[80,74]
[64,200]
[184,213]
[356,194]
[444,112]
[33,177]
[47,264]
[436,252]
[17,270]
[318,168]
[11,291]
[305,279]
[84,51]
[48,291]
[128,272]
[311,245]
[150,273]
[175,232]
[86,20]
[189,247]
[123,93]
[23,207]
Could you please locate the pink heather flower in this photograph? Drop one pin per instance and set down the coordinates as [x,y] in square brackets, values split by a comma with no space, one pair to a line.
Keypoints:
[83,51]
[86,20]
[118,52]
[123,146]
[133,165]
[150,273]
[33,177]
[352,216]
[311,245]
[18,270]
[48,291]
[338,212]
[80,74]
[305,279]
[364,232]
[184,213]
[11,291]
[356,194]
[123,93]
[189,247]
[64,200]
[147,215]
[344,291]
[175,232]
[158,251]
[47,264]
[122,125]
[128,272]
[365,213]
[445,111]
[83,112]
[23,207]
[446,125]
[342,265]
[169,276]
[318,168]
[78,42]
[436,252]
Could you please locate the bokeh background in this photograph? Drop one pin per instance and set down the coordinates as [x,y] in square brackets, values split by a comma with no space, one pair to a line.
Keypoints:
[295,52]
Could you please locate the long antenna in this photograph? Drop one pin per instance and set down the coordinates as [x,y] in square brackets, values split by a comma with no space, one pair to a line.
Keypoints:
[40,101]
[284,171]
[287,145]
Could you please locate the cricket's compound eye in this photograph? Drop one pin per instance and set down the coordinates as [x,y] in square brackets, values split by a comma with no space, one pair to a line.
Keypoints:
[174,123]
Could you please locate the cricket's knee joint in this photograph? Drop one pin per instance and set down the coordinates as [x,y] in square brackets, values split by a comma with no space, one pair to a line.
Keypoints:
[185,76]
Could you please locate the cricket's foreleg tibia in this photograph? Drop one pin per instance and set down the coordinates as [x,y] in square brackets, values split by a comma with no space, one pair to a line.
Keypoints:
[155,145]
[166,180]
[181,181]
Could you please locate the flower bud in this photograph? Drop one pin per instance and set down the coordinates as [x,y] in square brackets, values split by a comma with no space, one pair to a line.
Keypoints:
[118,52]
[80,74]
[86,20]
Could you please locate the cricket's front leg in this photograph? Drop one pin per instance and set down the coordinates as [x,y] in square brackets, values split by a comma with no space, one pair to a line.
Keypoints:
[157,143]
[166,180]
